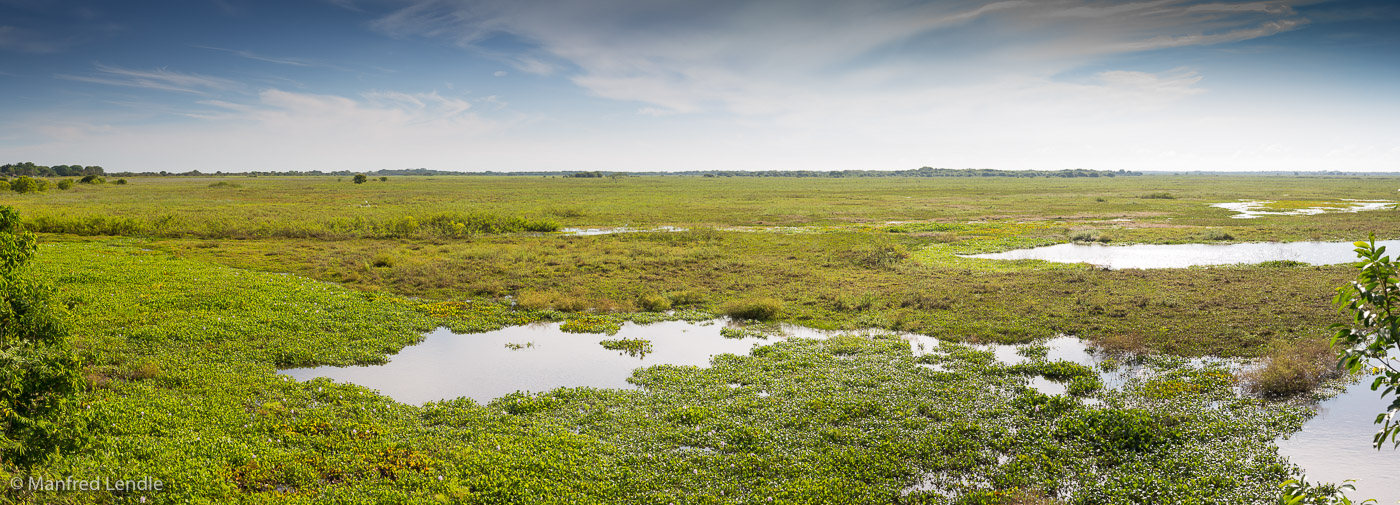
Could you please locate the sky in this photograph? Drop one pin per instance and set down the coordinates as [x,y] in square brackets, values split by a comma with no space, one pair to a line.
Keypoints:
[671,85]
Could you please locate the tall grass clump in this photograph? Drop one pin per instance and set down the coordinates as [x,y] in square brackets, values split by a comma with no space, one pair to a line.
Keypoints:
[878,255]
[1089,236]
[1217,235]
[758,309]
[1292,368]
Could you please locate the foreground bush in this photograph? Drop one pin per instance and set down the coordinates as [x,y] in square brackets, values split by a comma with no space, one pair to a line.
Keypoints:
[39,373]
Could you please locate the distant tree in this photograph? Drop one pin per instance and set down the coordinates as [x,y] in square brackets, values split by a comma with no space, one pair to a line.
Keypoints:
[383,179]
[39,372]
[361,178]
[92,179]
[121,181]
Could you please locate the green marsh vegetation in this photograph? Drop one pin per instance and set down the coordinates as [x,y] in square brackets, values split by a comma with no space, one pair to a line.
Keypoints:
[180,320]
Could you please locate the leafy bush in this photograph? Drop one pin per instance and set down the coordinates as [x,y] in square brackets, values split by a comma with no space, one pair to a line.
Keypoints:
[40,372]
[4,185]
[25,184]
[360,178]
[65,184]
[120,182]
[225,184]
[1158,196]
[1373,301]
[92,179]
[759,309]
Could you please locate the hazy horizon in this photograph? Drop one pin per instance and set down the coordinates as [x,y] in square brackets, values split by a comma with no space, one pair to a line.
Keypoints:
[1158,85]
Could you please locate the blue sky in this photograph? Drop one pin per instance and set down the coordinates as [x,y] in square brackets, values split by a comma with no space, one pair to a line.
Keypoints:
[238,85]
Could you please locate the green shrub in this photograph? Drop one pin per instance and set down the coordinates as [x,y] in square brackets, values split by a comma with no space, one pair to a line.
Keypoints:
[26,184]
[40,372]
[360,178]
[65,184]
[224,184]
[92,179]
[121,182]
[4,185]
[1158,196]
[759,309]
[654,303]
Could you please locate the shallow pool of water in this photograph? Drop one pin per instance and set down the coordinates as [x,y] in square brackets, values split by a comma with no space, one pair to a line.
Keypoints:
[619,229]
[541,357]
[1335,445]
[1186,255]
[1250,209]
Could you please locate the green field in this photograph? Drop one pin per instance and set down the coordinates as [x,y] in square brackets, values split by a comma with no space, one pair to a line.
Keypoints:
[174,292]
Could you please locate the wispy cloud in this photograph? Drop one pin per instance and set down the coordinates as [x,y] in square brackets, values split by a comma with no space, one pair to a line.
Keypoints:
[295,62]
[157,79]
[701,56]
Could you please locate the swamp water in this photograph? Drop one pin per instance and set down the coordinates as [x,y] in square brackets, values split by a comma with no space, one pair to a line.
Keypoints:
[1333,446]
[541,357]
[1187,255]
[1250,209]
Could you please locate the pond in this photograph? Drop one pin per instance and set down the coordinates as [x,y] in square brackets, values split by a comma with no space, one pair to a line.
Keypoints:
[1250,209]
[540,357]
[1335,445]
[1332,446]
[1187,255]
[620,229]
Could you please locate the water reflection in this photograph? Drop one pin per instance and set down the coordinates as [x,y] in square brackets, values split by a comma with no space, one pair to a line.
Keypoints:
[1250,209]
[541,357]
[1186,255]
[1335,445]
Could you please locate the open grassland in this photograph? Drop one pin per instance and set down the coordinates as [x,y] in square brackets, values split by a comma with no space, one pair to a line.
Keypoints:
[837,253]
[174,289]
[182,357]
[328,207]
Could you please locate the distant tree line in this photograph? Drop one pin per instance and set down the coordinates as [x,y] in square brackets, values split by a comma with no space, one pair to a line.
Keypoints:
[32,170]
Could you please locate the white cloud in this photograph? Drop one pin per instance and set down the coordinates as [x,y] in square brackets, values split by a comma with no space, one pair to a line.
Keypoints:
[158,79]
[280,130]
